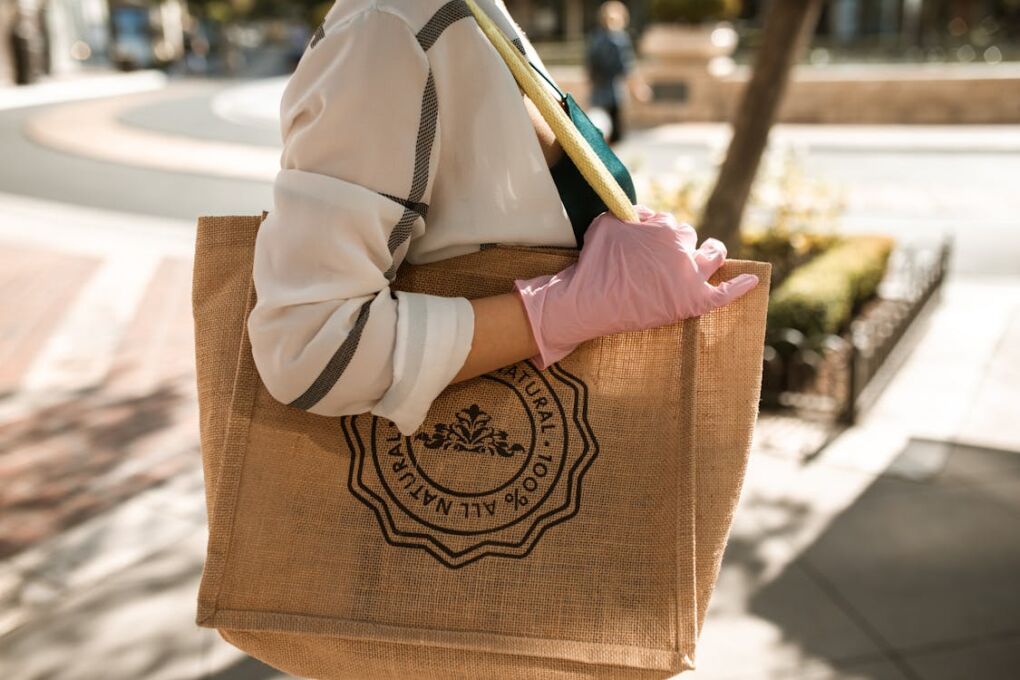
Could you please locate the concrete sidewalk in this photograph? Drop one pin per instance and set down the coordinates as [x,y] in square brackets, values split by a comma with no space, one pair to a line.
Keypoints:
[906,180]
[102,512]
[80,87]
[892,555]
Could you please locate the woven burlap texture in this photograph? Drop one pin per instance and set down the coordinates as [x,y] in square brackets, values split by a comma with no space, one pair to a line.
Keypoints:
[323,563]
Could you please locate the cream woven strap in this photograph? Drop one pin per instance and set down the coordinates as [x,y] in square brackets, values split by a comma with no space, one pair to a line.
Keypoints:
[574,145]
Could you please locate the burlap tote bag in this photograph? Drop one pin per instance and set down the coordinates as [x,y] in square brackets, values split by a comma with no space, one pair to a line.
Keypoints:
[563,523]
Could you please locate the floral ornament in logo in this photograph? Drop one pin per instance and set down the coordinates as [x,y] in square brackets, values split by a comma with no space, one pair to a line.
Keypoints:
[471,433]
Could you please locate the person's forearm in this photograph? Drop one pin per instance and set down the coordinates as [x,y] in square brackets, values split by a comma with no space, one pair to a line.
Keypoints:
[551,148]
[502,336]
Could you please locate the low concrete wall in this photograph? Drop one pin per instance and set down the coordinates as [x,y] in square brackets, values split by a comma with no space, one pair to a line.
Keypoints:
[887,94]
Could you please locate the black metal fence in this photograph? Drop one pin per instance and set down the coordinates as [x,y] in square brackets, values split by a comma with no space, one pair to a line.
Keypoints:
[838,376]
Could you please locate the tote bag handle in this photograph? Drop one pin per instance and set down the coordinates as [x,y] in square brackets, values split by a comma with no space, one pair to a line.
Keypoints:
[574,145]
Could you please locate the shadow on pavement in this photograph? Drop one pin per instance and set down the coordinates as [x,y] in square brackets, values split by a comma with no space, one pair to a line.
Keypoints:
[75,459]
[920,570]
[247,669]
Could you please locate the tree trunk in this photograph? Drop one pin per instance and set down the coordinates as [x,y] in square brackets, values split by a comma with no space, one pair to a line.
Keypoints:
[573,20]
[788,27]
[8,10]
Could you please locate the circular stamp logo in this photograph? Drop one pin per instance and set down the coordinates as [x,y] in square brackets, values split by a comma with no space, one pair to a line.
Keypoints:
[497,462]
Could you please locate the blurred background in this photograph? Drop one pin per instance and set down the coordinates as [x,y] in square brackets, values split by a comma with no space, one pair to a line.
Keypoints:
[870,149]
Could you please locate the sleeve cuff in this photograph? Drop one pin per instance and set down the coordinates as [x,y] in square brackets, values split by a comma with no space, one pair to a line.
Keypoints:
[433,339]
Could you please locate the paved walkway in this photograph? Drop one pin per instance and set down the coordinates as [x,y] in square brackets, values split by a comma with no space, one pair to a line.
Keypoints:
[218,147]
[59,90]
[92,129]
[102,513]
[892,555]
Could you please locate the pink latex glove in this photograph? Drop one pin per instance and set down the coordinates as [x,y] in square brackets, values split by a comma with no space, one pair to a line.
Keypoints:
[629,276]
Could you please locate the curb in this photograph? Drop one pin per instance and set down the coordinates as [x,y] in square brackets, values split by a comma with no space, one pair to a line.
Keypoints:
[56,91]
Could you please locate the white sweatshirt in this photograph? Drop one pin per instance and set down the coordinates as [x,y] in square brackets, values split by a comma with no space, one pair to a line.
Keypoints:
[405,138]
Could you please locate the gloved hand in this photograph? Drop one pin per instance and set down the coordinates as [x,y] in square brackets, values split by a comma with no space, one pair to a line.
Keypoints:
[629,276]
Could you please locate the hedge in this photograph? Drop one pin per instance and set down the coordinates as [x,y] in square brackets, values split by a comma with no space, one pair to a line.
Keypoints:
[820,297]
[784,249]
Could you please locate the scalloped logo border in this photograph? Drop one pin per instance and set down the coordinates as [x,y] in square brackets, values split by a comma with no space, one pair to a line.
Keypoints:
[430,540]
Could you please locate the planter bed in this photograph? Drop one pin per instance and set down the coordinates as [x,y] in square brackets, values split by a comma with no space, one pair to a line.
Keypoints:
[834,376]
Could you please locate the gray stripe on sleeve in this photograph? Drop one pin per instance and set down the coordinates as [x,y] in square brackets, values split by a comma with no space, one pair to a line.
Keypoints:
[422,155]
[337,364]
[319,34]
[451,12]
[426,136]
[401,232]
[417,206]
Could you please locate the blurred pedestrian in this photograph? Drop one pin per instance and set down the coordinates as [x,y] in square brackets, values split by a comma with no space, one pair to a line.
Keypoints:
[609,61]
[298,37]
[196,48]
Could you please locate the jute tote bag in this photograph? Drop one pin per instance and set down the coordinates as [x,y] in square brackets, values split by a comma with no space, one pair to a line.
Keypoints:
[565,523]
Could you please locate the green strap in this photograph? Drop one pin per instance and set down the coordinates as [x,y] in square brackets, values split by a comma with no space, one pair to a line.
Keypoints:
[546,79]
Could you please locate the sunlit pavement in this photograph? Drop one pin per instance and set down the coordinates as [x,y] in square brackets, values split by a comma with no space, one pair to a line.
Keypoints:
[891,555]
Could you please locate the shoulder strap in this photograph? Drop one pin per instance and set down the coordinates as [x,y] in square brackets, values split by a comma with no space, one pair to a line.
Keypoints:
[547,79]
[574,145]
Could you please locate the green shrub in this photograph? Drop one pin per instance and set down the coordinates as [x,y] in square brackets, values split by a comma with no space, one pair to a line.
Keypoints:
[821,296]
[785,249]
